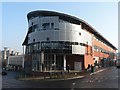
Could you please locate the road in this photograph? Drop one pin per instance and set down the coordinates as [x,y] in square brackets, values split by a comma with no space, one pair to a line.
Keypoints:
[104,79]
[0,83]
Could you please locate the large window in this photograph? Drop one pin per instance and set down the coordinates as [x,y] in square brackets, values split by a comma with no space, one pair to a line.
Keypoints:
[99,49]
[35,62]
[33,28]
[52,63]
[53,46]
[46,26]
[48,62]
[52,25]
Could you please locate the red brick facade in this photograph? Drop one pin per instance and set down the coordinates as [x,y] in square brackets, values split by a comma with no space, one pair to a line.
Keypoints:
[74,58]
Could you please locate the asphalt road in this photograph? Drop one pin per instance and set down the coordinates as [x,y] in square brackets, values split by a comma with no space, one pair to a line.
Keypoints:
[0,79]
[104,79]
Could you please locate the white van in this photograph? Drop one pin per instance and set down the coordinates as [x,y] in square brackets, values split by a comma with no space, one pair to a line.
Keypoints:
[117,63]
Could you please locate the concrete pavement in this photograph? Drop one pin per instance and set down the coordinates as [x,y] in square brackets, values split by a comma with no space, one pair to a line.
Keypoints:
[102,79]
[82,75]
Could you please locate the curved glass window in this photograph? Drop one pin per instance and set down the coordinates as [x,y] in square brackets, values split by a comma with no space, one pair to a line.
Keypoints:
[33,28]
[53,46]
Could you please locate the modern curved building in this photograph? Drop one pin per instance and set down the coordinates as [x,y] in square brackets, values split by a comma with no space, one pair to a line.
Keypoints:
[56,40]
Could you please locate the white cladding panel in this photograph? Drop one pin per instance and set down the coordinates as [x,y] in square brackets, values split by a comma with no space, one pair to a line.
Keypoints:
[53,35]
[86,37]
[68,35]
[77,49]
[62,35]
[62,26]
[50,35]
[75,27]
[68,26]
[75,36]
[40,37]
[56,35]
[67,31]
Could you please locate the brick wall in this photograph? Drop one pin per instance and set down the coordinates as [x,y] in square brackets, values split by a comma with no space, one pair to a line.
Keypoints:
[74,58]
[88,57]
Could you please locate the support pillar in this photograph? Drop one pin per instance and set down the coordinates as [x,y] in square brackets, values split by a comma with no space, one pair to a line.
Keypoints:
[55,61]
[42,62]
[23,50]
[64,62]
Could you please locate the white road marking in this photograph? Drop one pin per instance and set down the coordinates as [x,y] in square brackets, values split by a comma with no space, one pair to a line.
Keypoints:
[97,71]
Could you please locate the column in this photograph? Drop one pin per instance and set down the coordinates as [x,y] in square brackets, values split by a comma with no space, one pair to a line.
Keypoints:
[23,49]
[5,57]
[55,61]
[42,61]
[64,62]
[23,60]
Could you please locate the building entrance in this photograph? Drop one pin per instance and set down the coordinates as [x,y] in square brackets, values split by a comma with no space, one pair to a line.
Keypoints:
[53,62]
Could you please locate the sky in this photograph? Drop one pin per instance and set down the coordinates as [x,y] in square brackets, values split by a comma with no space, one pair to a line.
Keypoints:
[102,16]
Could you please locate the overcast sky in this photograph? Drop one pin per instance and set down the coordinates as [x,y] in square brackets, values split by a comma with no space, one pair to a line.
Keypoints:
[103,16]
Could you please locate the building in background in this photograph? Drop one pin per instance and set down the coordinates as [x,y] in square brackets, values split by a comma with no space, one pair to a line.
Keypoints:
[6,53]
[16,62]
[0,58]
[56,40]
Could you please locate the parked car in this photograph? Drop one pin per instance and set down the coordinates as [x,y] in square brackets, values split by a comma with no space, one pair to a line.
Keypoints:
[4,73]
[117,63]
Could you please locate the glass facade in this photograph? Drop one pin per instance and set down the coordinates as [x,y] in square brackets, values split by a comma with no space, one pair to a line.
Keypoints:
[99,49]
[53,62]
[52,47]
